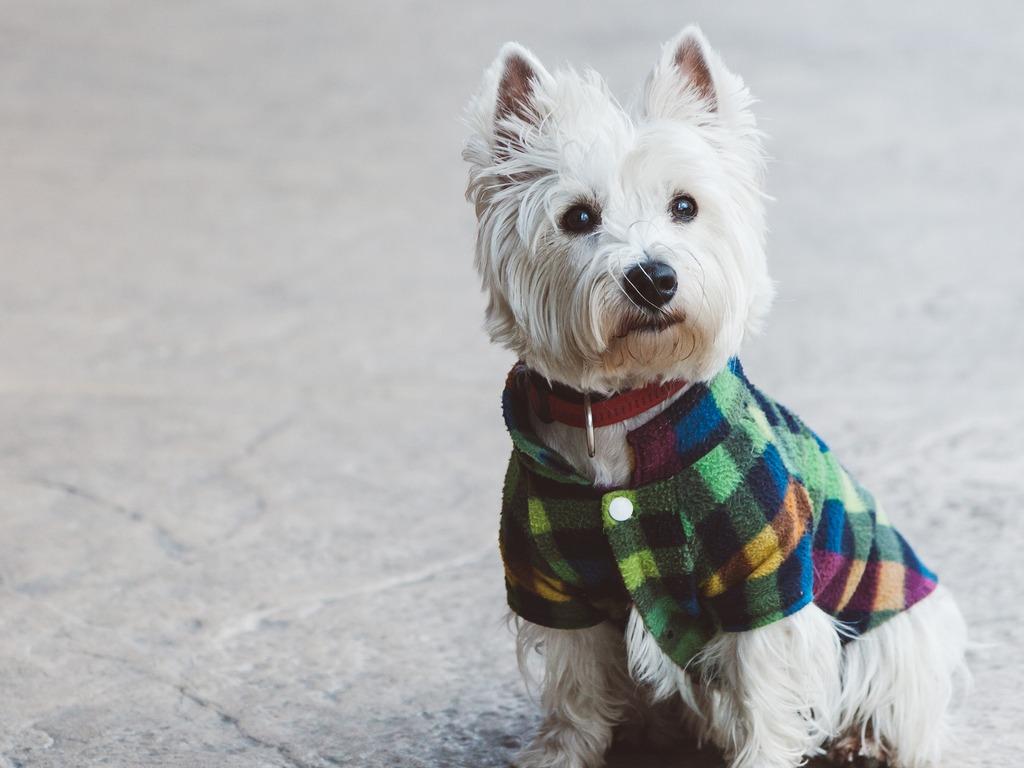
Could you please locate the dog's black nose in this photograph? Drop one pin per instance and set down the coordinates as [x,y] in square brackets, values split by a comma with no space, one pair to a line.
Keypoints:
[651,284]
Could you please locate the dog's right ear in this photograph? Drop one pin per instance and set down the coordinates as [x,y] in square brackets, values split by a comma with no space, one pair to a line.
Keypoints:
[511,101]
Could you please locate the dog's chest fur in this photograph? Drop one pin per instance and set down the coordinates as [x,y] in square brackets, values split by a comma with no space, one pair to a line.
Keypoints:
[612,466]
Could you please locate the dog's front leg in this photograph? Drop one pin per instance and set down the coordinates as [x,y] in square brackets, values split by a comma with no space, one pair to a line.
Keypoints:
[777,690]
[584,693]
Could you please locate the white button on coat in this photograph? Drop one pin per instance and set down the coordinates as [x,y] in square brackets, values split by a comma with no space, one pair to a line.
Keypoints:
[620,509]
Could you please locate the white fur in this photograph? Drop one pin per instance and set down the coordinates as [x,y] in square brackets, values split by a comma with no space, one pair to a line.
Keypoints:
[771,696]
[768,697]
[556,300]
[776,689]
[901,680]
[584,693]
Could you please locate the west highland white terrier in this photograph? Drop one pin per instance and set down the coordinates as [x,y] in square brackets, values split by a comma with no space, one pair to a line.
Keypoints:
[675,540]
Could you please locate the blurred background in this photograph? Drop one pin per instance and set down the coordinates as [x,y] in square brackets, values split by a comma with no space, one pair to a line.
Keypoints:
[250,440]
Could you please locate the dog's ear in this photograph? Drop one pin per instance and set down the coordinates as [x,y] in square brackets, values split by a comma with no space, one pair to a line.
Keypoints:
[519,78]
[690,82]
[511,100]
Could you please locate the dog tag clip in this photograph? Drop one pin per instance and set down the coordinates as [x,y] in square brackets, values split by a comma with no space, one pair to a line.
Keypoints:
[589,415]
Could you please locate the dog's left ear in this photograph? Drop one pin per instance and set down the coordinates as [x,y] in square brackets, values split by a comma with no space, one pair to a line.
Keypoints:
[691,83]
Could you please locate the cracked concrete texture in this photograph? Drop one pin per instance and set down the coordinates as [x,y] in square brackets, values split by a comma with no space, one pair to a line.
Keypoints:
[251,447]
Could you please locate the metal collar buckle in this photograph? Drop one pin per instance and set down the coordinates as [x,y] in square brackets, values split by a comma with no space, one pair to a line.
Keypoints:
[589,417]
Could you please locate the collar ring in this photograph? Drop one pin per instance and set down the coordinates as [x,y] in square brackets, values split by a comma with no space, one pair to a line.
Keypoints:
[589,419]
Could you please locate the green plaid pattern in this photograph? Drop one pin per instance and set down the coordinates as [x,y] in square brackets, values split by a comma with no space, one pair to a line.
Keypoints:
[740,515]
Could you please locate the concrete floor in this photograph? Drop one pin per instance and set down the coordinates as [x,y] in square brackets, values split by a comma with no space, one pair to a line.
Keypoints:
[251,449]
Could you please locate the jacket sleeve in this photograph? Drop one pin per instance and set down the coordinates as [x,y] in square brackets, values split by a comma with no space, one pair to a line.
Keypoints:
[538,596]
[534,590]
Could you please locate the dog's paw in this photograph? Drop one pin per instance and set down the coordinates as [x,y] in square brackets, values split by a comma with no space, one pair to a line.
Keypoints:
[551,755]
[857,752]
[656,726]
[561,746]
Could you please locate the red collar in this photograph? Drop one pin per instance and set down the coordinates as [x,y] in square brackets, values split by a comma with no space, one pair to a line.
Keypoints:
[557,402]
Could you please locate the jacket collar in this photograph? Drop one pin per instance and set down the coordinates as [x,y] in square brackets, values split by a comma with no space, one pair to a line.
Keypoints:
[671,441]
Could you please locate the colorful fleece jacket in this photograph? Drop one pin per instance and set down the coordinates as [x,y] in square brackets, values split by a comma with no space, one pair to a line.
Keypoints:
[740,515]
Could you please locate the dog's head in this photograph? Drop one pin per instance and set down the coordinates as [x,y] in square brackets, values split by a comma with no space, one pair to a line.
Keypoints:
[619,247]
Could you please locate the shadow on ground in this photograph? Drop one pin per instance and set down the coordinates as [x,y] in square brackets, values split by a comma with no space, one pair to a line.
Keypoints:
[692,757]
[688,755]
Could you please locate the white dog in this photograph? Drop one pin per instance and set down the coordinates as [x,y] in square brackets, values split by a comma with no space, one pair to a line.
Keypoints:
[670,533]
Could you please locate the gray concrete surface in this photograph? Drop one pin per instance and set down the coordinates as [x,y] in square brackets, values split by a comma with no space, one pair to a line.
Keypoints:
[250,446]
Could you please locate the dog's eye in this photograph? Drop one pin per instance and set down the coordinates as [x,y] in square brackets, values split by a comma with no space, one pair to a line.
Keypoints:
[683,208]
[580,219]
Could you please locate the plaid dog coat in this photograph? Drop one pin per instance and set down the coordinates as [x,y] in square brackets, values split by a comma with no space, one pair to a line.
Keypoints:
[737,515]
